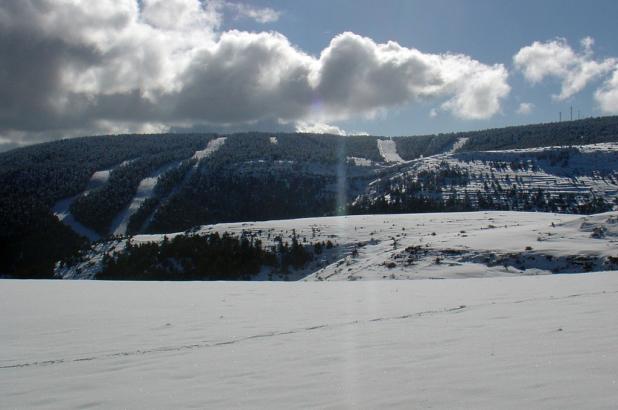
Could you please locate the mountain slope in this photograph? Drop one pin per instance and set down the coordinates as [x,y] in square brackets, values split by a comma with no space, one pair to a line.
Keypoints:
[170,183]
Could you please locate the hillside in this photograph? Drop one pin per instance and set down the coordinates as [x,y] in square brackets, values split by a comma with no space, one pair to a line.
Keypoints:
[574,179]
[56,197]
[366,247]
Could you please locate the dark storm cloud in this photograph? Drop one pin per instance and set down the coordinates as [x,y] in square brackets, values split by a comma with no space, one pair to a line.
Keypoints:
[83,67]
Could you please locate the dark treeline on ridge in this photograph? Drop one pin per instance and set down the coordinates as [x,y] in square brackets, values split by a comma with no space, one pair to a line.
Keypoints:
[208,257]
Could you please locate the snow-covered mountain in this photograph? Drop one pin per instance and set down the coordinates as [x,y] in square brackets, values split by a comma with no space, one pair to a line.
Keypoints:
[58,197]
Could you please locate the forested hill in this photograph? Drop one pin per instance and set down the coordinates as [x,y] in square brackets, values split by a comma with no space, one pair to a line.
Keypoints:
[125,184]
[580,132]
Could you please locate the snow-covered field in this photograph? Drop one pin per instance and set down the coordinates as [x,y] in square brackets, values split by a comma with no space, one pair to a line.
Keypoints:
[526,342]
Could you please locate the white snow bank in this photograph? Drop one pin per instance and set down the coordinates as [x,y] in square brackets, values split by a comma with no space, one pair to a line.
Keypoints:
[527,342]
[388,150]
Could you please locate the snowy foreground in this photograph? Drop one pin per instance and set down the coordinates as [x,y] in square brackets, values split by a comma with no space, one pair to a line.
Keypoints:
[522,342]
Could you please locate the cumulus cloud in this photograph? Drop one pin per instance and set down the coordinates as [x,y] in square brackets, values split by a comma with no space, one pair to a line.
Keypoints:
[354,74]
[607,95]
[71,67]
[262,15]
[319,128]
[557,59]
[525,108]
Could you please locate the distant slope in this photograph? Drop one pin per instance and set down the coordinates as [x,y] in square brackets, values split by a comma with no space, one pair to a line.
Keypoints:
[577,179]
[580,132]
[261,176]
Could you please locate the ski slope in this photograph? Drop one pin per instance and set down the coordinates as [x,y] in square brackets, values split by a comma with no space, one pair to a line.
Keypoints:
[62,208]
[543,342]
[388,150]
[145,190]
[211,147]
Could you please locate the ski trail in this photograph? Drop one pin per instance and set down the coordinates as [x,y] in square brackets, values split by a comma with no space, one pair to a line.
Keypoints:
[213,146]
[388,151]
[144,191]
[457,145]
[62,208]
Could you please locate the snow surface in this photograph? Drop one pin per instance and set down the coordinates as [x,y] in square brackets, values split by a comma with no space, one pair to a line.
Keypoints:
[273,140]
[421,246]
[388,150]
[527,342]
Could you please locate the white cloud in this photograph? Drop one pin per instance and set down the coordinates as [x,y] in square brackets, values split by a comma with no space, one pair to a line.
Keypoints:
[81,67]
[557,59]
[262,15]
[607,95]
[319,128]
[525,108]
[355,74]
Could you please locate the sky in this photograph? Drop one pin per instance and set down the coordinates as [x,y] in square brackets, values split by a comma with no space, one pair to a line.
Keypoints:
[77,67]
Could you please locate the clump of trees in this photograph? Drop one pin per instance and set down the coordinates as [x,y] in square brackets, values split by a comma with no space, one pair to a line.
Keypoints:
[207,257]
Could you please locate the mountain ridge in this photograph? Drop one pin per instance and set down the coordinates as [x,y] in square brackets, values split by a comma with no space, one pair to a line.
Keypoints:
[168,183]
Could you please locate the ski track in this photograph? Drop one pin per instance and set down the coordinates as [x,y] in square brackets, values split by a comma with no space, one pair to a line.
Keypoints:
[326,326]
[408,344]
